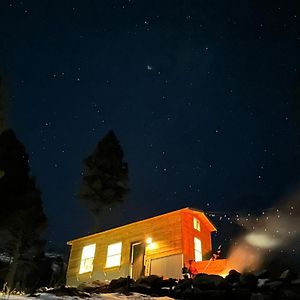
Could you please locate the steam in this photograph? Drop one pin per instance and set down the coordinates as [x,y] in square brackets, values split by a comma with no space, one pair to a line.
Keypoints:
[262,240]
[274,230]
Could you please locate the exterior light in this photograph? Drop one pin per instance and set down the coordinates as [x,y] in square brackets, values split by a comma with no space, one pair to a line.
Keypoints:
[149,241]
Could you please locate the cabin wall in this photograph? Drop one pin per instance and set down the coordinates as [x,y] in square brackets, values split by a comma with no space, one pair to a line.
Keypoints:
[164,230]
[218,266]
[188,234]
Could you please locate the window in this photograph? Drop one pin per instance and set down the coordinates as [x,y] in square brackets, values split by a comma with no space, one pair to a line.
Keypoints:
[196,224]
[198,250]
[113,257]
[87,258]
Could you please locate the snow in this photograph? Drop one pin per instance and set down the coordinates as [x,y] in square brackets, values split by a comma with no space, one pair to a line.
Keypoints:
[112,296]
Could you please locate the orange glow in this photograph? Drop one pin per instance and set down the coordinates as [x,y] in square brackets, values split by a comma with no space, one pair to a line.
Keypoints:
[216,267]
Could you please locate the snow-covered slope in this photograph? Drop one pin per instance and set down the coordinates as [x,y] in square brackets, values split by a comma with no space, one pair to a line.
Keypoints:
[113,296]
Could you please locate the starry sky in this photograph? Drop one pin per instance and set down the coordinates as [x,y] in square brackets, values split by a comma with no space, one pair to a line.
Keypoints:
[201,94]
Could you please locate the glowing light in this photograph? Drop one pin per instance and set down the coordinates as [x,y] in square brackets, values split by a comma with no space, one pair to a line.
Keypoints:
[149,240]
[152,246]
[113,258]
[197,249]
[87,258]
[261,240]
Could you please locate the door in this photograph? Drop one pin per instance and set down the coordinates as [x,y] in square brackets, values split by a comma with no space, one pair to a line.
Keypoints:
[137,260]
[168,266]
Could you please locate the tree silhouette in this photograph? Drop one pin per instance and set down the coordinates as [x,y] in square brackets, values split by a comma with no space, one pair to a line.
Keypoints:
[22,220]
[105,181]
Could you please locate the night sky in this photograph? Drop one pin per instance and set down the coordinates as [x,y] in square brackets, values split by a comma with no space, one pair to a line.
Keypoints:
[201,95]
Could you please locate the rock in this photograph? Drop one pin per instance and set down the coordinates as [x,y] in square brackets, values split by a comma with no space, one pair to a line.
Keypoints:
[170,283]
[187,293]
[205,281]
[141,288]
[262,281]
[257,296]
[296,281]
[213,294]
[273,285]
[240,294]
[262,274]
[68,291]
[123,290]
[43,289]
[183,284]
[155,282]
[233,277]
[99,283]
[93,287]
[248,280]
[120,283]
[288,275]
[290,294]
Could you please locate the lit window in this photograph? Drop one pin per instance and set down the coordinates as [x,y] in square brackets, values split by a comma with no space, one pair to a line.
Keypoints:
[196,224]
[198,250]
[113,257]
[87,258]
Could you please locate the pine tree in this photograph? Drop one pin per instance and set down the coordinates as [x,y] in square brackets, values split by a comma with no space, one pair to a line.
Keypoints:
[22,220]
[105,181]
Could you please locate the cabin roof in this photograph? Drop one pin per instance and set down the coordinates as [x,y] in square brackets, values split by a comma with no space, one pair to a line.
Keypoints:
[198,212]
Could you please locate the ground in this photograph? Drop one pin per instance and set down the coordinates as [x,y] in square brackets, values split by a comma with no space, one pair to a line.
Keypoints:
[112,296]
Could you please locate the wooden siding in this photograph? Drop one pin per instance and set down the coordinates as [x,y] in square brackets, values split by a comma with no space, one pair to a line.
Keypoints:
[164,230]
[172,233]
[188,234]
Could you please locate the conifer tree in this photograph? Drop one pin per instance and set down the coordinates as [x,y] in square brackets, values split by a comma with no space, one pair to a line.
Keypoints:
[22,219]
[105,181]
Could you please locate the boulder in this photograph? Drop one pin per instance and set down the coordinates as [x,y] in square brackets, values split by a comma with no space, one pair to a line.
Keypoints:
[257,296]
[122,282]
[169,283]
[96,286]
[233,277]
[262,281]
[206,282]
[249,281]
[262,274]
[183,285]
[153,281]
[273,285]
[288,275]
[68,291]
[141,288]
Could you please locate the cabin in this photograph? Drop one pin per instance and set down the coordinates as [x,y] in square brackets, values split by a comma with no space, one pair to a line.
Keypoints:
[160,245]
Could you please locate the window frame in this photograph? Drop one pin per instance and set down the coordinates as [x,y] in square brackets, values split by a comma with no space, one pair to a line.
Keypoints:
[86,261]
[196,223]
[117,255]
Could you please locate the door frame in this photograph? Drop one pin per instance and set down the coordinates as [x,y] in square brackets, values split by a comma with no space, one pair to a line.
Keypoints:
[131,256]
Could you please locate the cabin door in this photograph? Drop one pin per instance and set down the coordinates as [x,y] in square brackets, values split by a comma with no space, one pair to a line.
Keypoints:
[137,260]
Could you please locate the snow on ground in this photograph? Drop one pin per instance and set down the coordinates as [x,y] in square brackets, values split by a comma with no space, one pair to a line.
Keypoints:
[112,296]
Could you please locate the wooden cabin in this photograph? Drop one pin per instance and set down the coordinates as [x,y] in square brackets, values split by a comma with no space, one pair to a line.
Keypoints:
[159,245]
